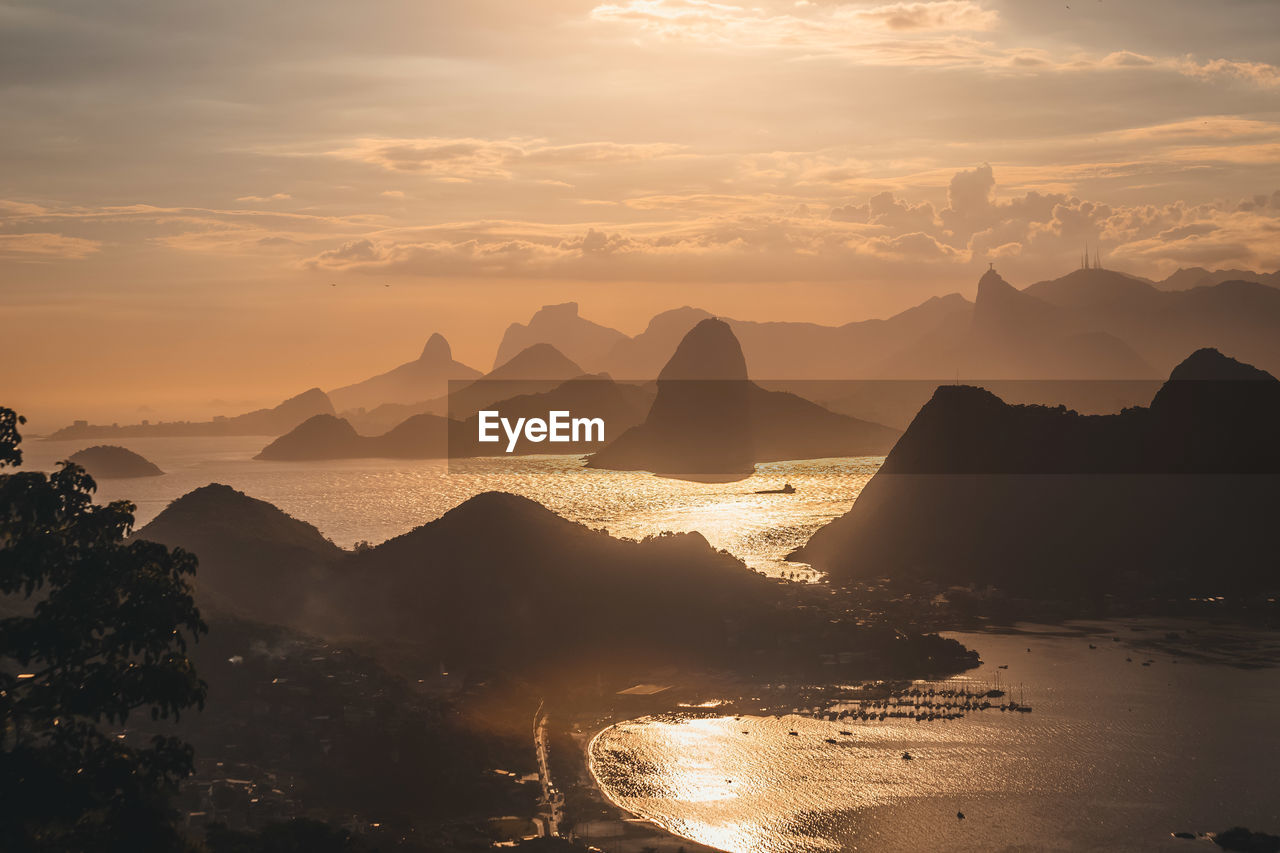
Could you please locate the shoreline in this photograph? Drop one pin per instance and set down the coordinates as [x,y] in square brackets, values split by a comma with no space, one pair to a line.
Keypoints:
[663,834]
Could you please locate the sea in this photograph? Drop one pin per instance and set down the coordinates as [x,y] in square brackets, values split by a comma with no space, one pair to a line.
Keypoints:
[372,500]
[1115,755]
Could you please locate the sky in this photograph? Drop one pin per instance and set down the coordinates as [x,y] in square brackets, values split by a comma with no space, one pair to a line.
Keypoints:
[206,206]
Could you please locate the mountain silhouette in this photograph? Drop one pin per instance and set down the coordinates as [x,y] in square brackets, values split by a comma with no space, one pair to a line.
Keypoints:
[537,368]
[709,419]
[331,437]
[107,462]
[620,406]
[580,340]
[255,560]
[1171,499]
[273,421]
[426,377]
[498,581]
[1185,279]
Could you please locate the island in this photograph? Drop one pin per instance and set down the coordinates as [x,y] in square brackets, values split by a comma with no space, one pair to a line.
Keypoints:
[111,462]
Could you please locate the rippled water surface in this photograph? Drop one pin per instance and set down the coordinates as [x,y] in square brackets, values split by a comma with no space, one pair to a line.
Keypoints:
[1115,756]
[375,499]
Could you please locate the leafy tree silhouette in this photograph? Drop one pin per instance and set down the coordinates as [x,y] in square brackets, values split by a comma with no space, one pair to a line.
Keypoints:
[94,630]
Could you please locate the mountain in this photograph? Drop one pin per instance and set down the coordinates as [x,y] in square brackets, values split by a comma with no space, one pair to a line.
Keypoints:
[537,368]
[427,436]
[501,584]
[620,406]
[643,356]
[426,377]
[1175,499]
[274,421]
[1161,327]
[709,419]
[580,340]
[107,462]
[1185,279]
[502,578]
[1021,334]
[255,560]
[331,437]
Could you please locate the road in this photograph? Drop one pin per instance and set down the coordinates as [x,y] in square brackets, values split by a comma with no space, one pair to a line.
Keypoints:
[552,800]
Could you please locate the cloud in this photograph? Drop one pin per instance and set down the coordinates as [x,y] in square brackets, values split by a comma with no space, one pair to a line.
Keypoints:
[937,34]
[261,198]
[465,159]
[44,246]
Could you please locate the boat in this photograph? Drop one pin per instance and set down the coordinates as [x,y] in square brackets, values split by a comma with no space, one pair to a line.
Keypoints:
[906,756]
[788,489]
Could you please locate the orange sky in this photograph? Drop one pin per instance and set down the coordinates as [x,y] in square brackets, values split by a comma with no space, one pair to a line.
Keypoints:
[184,184]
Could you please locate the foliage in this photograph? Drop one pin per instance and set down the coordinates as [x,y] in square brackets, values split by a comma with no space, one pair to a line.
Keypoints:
[96,629]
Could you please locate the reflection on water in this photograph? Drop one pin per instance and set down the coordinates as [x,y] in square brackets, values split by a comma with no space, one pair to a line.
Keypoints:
[375,499]
[1115,756]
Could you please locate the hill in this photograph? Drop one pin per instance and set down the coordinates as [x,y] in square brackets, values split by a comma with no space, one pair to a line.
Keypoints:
[107,462]
[580,340]
[331,437]
[502,584]
[274,421]
[255,560]
[1173,499]
[426,377]
[709,419]
[537,368]
[1185,279]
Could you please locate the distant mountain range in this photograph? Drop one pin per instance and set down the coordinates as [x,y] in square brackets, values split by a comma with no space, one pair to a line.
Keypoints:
[1091,324]
[539,367]
[274,421]
[579,340]
[1185,279]
[1177,498]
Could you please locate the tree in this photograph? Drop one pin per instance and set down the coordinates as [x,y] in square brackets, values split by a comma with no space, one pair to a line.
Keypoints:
[95,629]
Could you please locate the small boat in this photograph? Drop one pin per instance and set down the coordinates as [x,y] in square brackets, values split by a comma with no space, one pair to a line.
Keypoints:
[906,756]
[794,734]
[846,734]
[1003,666]
[788,489]
[832,740]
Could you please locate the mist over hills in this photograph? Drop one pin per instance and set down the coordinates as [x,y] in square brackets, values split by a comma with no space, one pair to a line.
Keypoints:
[426,377]
[1178,498]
